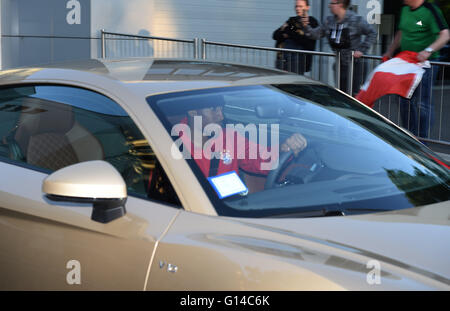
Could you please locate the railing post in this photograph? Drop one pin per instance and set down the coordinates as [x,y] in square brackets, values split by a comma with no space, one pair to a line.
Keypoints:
[338,69]
[103,48]
[203,43]
[196,48]
[352,67]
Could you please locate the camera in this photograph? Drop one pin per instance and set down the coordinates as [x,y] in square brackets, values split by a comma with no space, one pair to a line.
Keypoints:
[295,24]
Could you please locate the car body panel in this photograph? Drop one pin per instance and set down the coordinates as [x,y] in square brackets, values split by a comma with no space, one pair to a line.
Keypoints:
[299,254]
[39,237]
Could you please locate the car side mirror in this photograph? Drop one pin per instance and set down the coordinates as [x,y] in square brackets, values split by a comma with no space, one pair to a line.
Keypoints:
[96,182]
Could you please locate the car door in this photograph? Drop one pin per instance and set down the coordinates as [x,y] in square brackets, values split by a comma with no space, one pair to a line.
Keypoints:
[50,245]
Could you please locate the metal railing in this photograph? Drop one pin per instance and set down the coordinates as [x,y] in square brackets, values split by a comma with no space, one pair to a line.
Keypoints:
[322,66]
[285,59]
[128,45]
[391,106]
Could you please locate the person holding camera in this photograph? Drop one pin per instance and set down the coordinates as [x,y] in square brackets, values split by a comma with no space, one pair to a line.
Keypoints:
[291,35]
[346,32]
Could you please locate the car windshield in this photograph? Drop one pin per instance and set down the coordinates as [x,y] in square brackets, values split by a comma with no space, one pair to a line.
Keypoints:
[235,139]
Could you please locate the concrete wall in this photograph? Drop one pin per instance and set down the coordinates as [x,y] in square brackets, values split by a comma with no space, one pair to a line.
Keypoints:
[43,31]
[234,21]
[123,16]
[239,21]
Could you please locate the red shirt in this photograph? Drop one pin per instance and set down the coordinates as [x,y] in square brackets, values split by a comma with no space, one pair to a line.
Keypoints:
[229,160]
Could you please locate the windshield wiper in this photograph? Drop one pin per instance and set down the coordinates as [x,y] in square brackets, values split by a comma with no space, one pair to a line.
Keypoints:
[324,212]
[327,212]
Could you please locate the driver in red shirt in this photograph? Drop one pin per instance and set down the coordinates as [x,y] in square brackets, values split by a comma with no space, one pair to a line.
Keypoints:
[227,158]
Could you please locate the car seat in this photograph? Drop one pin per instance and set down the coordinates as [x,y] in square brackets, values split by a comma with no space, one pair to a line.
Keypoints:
[48,136]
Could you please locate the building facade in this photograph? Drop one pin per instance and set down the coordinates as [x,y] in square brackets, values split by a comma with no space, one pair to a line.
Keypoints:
[45,31]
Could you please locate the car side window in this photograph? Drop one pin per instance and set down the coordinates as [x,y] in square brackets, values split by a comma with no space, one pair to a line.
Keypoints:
[50,127]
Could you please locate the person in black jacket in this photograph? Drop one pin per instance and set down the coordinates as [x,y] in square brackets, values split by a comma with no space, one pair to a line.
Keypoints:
[291,35]
[347,32]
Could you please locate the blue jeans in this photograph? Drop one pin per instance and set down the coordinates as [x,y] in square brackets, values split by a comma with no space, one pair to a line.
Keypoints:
[417,113]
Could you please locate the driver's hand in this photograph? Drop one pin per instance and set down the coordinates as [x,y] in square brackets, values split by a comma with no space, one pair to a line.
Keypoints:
[295,143]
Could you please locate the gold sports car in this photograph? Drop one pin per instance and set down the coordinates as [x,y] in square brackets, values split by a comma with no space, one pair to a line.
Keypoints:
[153,174]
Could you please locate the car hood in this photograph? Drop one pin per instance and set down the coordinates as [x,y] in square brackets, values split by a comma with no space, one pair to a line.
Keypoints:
[413,243]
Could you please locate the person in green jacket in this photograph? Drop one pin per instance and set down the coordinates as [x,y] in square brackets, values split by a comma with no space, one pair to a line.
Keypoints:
[422,29]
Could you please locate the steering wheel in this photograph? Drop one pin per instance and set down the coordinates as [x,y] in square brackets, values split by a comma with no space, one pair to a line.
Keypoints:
[273,175]
[318,166]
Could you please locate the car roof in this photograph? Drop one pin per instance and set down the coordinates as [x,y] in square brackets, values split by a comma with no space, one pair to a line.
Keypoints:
[151,75]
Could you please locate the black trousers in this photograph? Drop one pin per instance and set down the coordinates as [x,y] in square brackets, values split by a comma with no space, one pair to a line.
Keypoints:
[360,69]
[298,63]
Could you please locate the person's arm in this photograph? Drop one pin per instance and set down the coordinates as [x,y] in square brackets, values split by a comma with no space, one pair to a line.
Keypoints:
[279,34]
[442,40]
[317,32]
[438,25]
[369,40]
[394,45]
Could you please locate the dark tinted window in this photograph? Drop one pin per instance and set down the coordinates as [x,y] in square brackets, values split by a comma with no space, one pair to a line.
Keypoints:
[50,127]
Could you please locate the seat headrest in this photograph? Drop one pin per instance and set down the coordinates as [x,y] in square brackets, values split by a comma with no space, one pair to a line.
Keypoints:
[41,116]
